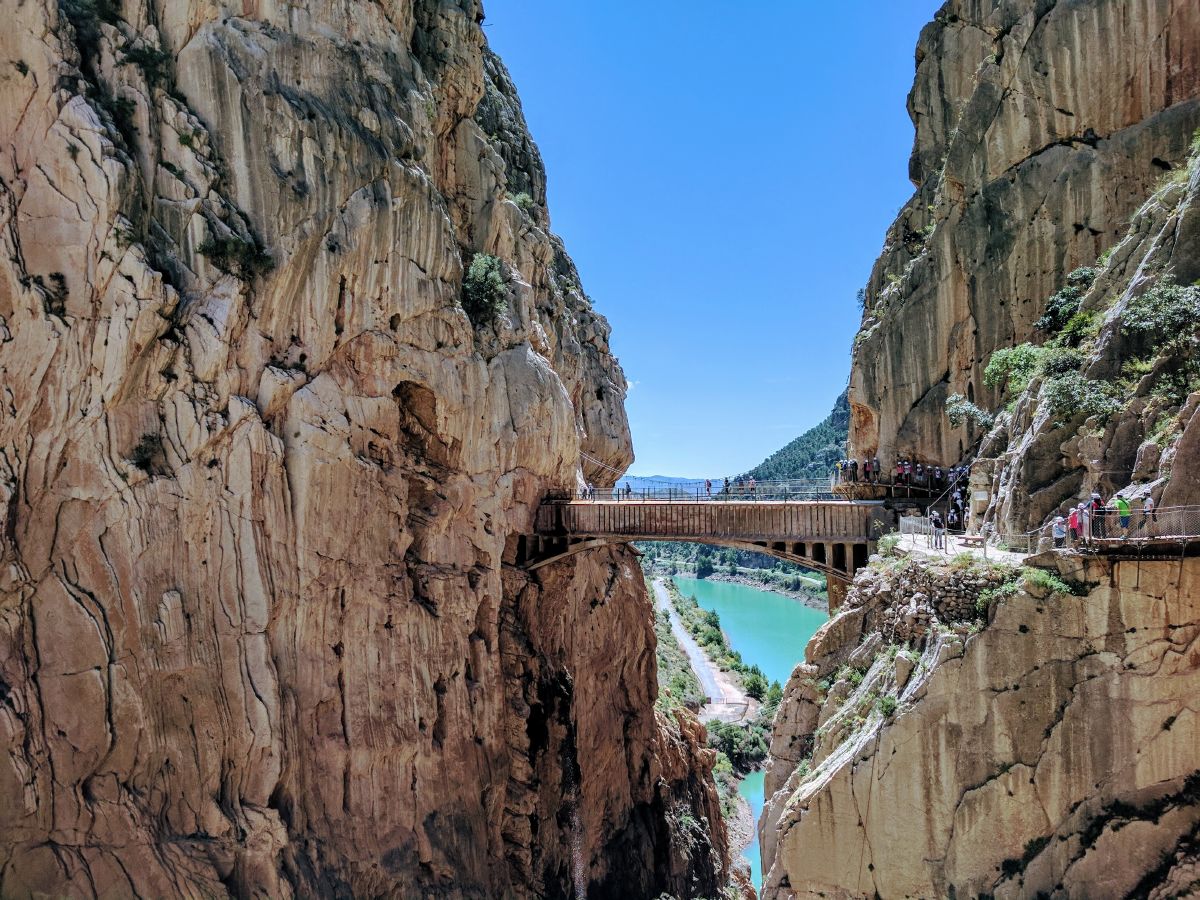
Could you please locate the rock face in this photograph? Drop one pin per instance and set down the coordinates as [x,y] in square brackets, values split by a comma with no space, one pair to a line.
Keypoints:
[261,474]
[1142,437]
[1041,127]
[1051,751]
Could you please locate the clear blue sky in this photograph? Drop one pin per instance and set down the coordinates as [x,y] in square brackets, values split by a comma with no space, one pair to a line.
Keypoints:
[723,175]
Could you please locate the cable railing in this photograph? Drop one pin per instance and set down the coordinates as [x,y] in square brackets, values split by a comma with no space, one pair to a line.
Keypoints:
[1106,529]
[711,491]
[1169,524]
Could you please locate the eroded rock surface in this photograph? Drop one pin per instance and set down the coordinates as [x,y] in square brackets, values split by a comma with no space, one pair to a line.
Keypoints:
[1041,128]
[1049,752]
[261,473]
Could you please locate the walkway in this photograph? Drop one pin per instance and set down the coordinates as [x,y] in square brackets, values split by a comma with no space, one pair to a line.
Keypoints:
[832,536]
[729,702]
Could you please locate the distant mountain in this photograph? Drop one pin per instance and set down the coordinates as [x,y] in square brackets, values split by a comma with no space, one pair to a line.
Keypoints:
[813,454]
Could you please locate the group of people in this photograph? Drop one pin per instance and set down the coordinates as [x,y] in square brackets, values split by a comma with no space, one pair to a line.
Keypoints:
[907,472]
[1092,519]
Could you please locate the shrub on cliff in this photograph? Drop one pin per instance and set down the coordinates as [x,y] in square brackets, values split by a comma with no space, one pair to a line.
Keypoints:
[236,256]
[484,290]
[1065,303]
[960,410]
[1012,368]
[1168,315]
[1073,395]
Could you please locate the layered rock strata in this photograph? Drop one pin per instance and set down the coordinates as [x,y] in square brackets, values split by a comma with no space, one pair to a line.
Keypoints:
[261,473]
[1040,129]
[1049,750]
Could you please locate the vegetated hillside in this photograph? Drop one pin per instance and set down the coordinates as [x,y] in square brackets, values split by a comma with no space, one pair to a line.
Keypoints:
[813,454]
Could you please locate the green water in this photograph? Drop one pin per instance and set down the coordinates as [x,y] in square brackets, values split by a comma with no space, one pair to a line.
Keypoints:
[769,630]
[751,788]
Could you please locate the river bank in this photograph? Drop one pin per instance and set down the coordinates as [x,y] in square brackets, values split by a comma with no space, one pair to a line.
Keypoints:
[727,701]
[769,630]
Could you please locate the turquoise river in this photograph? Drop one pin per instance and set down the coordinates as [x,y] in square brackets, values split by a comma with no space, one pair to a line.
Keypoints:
[769,630]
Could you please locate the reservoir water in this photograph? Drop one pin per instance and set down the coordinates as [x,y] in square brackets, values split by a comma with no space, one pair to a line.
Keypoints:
[769,630]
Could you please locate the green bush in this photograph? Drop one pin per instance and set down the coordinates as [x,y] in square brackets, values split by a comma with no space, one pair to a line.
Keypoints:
[960,410]
[1072,395]
[755,685]
[1061,361]
[1081,327]
[1012,368]
[888,704]
[485,290]
[1065,303]
[524,202]
[1167,314]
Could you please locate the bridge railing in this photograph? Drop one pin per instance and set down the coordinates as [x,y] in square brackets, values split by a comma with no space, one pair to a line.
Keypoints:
[716,492]
[1169,524]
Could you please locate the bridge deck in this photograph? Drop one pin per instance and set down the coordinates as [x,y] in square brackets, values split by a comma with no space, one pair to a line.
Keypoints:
[795,520]
[832,536]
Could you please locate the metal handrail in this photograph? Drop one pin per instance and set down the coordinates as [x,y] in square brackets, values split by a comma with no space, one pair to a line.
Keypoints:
[697,491]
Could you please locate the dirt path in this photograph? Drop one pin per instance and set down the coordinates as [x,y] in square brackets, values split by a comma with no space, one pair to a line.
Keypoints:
[728,702]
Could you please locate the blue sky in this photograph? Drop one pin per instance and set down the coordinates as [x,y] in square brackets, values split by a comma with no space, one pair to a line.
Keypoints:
[723,175]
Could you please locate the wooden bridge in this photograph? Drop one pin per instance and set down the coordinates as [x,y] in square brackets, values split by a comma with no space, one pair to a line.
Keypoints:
[834,537]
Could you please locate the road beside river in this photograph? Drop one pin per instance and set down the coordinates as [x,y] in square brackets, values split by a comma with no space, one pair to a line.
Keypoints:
[728,702]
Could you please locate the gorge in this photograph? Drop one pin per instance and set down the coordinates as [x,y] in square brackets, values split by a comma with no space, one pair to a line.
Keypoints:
[290,357]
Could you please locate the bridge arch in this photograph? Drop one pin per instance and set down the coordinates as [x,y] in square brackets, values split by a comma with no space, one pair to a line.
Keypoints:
[834,559]
[833,537]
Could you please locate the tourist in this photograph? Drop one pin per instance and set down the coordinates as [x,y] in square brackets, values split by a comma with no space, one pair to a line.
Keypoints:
[866,468]
[876,471]
[1085,522]
[939,530]
[1148,513]
[1099,528]
[920,474]
[1073,525]
[1123,513]
[837,472]
[937,476]
[752,487]
[1058,529]
[726,487]
[854,470]
[708,488]
[628,491]
[952,519]
[908,471]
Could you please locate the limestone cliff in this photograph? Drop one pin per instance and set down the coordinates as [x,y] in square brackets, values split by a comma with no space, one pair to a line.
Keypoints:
[1040,128]
[1047,749]
[967,730]
[261,471]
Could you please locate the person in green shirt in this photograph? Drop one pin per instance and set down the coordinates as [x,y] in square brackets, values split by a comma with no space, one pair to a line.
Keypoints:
[1122,507]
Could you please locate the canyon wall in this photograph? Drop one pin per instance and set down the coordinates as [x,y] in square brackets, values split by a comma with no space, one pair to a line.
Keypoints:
[966,729]
[1042,744]
[1040,128]
[261,473]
